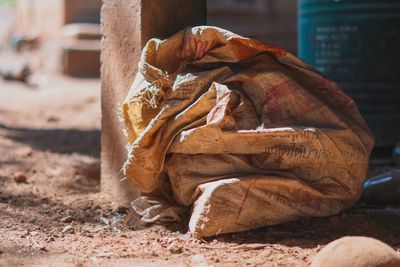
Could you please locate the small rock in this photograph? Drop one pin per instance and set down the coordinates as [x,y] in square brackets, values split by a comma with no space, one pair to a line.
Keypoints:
[104,254]
[68,229]
[49,239]
[19,177]
[67,219]
[115,229]
[34,233]
[121,210]
[198,261]
[54,172]
[356,252]
[23,152]
[104,220]
[174,248]
[154,253]
[52,118]
[40,247]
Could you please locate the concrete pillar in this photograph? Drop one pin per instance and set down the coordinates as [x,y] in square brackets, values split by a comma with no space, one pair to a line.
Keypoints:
[127,25]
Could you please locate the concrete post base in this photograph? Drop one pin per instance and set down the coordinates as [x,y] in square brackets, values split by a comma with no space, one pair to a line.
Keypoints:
[127,25]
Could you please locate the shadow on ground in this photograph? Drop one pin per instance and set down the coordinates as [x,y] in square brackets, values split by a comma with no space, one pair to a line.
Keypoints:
[377,223]
[29,209]
[64,141]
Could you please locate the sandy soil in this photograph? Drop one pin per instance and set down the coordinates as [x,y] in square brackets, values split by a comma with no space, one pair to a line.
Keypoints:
[53,214]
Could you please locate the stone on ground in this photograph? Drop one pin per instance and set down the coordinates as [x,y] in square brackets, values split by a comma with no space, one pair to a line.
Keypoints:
[356,252]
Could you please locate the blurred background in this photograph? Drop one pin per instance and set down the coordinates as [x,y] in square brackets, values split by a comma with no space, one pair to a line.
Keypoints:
[68,31]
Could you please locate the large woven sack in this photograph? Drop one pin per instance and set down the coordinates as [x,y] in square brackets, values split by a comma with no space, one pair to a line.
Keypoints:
[242,132]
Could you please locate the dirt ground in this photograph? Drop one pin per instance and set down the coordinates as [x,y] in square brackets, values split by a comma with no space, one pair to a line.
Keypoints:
[53,214]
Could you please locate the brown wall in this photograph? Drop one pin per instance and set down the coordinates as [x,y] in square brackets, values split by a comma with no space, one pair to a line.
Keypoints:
[47,17]
[273,21]
[44,17]
[82,11]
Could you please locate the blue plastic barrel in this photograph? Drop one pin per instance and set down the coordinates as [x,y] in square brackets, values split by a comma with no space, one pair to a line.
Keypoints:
[357,44]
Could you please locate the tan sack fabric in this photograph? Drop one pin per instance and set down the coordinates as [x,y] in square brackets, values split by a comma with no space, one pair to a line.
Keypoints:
[242,132]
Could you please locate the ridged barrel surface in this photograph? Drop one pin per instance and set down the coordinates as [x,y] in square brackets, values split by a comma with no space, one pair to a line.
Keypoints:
[357,44]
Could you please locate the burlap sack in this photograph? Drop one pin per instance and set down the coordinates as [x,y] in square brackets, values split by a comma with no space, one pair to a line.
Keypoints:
[241,131]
